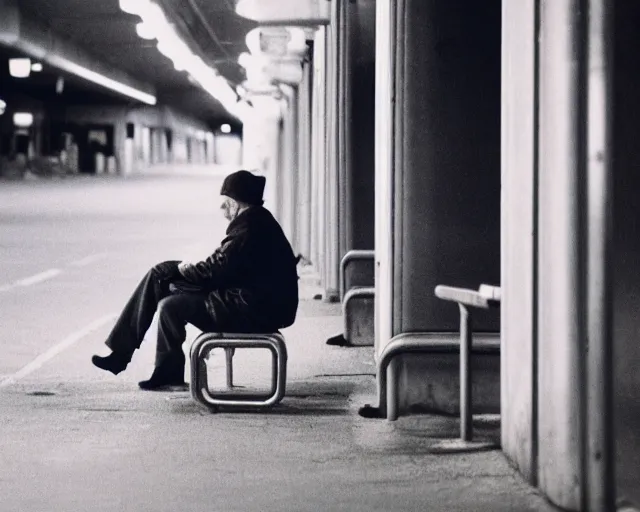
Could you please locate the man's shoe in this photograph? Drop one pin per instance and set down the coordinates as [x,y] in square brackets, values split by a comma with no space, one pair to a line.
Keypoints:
[114,363]
[159,384]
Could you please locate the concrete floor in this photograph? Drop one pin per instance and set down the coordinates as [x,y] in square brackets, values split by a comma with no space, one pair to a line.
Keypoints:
[75,438]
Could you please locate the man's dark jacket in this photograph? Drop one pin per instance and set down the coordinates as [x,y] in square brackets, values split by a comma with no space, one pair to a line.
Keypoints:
[251,279]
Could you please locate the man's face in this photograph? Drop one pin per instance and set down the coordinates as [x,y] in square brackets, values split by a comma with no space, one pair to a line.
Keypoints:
[230,208]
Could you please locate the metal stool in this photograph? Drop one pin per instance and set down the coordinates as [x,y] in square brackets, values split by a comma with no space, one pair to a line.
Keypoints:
[206,342]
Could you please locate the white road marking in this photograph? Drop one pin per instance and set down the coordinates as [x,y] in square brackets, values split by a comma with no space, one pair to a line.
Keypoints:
[70,340]
[88,259]
[38,278]
[51,273]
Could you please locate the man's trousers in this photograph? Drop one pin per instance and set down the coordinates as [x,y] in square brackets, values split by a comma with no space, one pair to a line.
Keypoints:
[174,312]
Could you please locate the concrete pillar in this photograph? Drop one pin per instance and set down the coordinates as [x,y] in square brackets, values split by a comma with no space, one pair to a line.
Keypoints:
[334,237]
[384,142]
[304,192]
[519,235]
[343,135]
[360,105]
[289,170]
[561,279]
[437,164]
[319,155]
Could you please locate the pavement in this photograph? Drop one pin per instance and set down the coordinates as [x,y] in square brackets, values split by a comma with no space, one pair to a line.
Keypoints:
[74,438]
[92,441]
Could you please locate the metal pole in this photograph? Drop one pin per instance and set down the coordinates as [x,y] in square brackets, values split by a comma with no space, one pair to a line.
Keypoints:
[466,416]
[228,352]
[599,487]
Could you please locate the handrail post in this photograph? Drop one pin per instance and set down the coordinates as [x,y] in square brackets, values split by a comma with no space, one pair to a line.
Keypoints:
[466,415]
[228,352]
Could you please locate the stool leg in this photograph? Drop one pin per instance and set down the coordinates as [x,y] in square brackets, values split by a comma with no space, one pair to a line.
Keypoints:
[229,355]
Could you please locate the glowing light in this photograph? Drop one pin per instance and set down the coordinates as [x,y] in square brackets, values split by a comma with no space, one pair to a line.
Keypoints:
[23,119]
[155,25]
[3,106]
[20,68]
[225,128]
[36,67]
[104,81]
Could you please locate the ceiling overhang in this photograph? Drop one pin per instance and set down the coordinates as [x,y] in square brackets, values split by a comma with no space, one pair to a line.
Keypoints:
[40,42]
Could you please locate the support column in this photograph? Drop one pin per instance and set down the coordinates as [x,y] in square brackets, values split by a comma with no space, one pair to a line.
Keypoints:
[437,167]
[561,242]
[334,240]
[384,156]
[304,164]
[520,26]
[319,162]
[358,201]
[289,169]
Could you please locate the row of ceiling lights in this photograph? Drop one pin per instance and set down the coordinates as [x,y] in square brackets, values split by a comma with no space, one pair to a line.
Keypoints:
[154,25]
[275,56]
[20,119]
[21,68]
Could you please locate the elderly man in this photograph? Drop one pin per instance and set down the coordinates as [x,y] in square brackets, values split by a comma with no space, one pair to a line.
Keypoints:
[249,284]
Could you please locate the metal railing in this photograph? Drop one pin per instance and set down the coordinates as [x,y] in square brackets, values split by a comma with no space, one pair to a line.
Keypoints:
[354,255]
[429,343]
[486,297]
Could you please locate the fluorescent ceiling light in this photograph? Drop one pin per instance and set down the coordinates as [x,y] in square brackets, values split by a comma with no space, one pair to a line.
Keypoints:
[20,68]
[104,81]
[36,67]
[155,26]
[23,119]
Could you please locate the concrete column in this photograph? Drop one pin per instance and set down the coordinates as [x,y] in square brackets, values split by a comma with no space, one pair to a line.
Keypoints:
[360,106]
[561,273]
[279,175]
[333,177]
[599,486]
[438,167]
[519,234]
[304,164]
[343,135]
[384,142]
[318,154]
[289,167]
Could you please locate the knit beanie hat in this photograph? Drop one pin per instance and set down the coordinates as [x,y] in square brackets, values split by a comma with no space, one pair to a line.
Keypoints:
[245,187]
